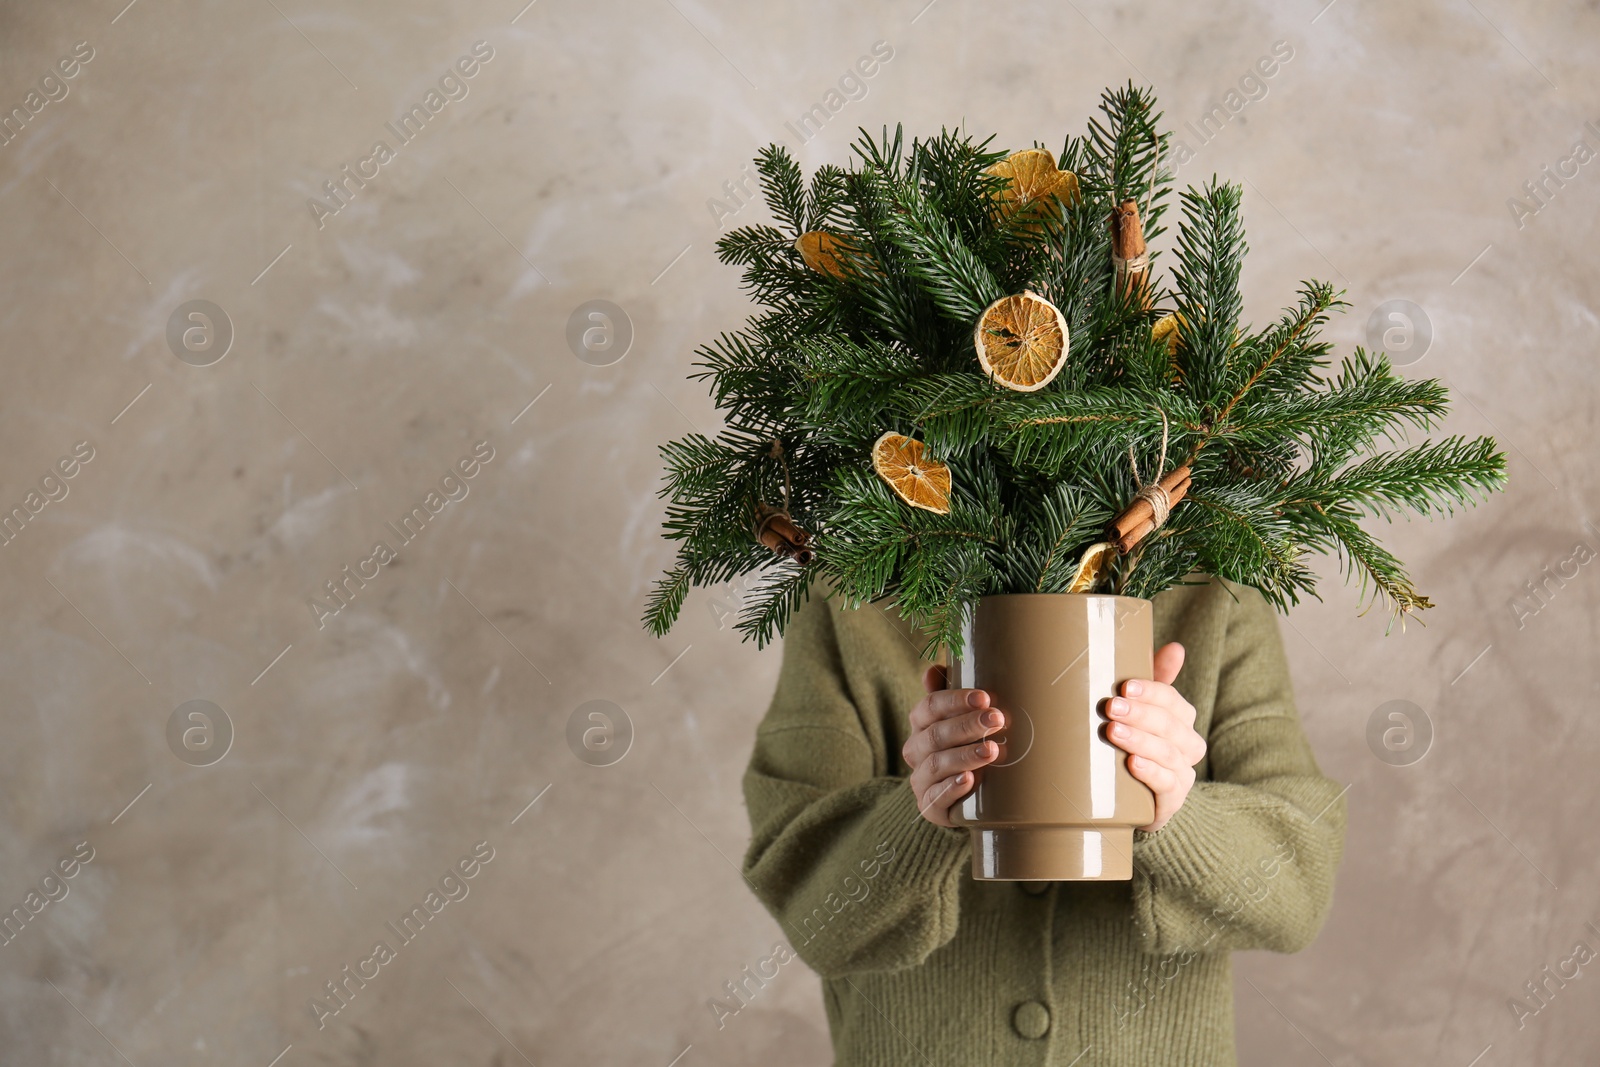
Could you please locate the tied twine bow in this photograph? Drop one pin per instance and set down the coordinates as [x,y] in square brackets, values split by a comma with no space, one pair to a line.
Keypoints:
[1152,504]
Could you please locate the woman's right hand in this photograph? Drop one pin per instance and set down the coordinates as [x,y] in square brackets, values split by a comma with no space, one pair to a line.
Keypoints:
[949,731]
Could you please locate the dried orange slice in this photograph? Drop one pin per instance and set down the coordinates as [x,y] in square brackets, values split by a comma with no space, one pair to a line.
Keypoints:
[1166,329]
[1021,341]
[1092,567]
[824,252]
[1034,179]
[919,481]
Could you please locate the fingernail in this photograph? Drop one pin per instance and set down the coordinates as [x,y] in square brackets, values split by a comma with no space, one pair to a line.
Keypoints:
[994,718]
[1132,689]
[1117,708]
[1119,731]
[985,748]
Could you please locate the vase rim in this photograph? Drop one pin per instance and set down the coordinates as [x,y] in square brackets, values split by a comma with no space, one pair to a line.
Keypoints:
[1100,596]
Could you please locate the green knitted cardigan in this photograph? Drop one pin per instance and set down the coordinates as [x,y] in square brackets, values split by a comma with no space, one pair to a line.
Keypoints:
[922,965]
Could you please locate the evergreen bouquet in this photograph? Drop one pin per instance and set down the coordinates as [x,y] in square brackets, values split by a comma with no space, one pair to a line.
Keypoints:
[966,380]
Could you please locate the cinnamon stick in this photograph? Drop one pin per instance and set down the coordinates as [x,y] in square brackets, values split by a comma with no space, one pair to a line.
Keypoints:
[776,530]
[1138,519]
[1128,254]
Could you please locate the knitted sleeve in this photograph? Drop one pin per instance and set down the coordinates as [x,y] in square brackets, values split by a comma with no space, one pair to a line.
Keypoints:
[1248,861]
[839,853]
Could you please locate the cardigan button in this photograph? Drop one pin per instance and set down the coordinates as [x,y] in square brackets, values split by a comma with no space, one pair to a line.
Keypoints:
[1031,1019]
[1035,888]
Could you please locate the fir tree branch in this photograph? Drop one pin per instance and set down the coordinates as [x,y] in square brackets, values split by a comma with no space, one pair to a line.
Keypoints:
[1121,157]
[665,602]
[1210,253]
[1310,313]
[1338,421]
[1307,315]
[1433,477]
[1249,542]
[830,194]
[752,245]
[952,276]
[783,187]
[1051,533]
[1294,360]
[1375,567]
[771,603]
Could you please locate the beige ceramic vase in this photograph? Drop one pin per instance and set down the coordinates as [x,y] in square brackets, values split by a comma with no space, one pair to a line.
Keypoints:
[1059,802]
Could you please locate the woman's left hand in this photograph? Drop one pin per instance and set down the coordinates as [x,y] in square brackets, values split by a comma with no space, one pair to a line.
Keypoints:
[1154,724]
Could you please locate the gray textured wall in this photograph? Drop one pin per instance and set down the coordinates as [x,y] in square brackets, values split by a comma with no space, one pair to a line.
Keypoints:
[373,347]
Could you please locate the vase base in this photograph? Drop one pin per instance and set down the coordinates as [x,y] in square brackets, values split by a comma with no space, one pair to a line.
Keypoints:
[1053,853]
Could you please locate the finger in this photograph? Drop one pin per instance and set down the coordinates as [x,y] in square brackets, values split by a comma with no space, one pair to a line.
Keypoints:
[933,679]
[950,761]
[935,804]
[931,772]
[962,730]
[1168,662]
[1153,692]
[1139,743]
[1160,779]
[950,733]
[1189,747]
[945,703]
[1150,717]
[939,704]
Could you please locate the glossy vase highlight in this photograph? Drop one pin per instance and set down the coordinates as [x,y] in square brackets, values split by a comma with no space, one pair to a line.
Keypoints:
[1058,802]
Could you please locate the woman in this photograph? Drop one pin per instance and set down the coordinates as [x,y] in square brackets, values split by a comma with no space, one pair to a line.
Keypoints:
[856,766]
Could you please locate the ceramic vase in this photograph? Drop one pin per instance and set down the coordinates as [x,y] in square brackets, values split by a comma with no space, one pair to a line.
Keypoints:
[1058,803]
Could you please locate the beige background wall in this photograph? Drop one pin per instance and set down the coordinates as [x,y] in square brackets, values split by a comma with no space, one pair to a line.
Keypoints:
[374,752]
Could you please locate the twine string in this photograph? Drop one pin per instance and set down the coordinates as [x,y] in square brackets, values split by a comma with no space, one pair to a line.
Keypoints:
[1127,266]
[1160,503]
[783,460]
[1152,493]
[763,513]
[1141,262]
[1155,168]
